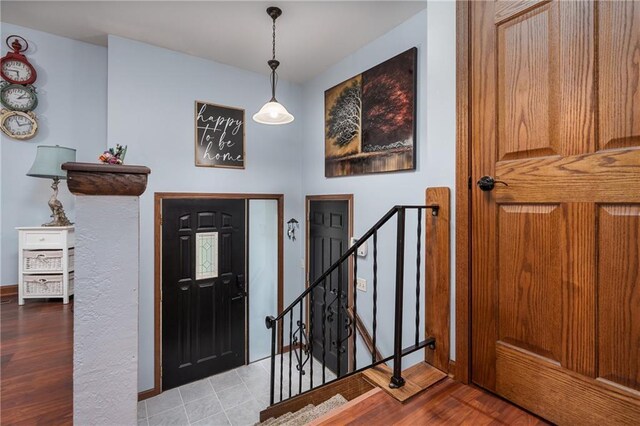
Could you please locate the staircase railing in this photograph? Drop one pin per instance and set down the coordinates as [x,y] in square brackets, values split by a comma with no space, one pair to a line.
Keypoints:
[366,336]
[301,342]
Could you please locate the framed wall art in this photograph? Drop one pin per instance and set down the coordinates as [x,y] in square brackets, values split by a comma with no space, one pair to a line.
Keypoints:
[219,136]
[370,120]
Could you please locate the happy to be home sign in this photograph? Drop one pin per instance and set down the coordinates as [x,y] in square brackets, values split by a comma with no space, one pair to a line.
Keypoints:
[219,132]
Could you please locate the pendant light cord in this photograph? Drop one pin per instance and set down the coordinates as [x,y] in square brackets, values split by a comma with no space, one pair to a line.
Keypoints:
[274,39]
[274,76]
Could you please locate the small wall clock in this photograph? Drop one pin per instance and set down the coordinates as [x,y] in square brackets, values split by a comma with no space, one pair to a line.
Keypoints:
[14,66]
[17,124]
[17,97]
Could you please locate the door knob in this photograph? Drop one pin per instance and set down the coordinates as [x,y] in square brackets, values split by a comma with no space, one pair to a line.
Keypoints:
[487,183]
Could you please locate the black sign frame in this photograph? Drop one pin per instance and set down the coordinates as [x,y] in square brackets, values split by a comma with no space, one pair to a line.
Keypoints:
[219,136]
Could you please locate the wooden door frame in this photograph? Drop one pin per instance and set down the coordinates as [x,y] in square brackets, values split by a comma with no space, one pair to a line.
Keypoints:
[307,203]
[462,370]
[157,298]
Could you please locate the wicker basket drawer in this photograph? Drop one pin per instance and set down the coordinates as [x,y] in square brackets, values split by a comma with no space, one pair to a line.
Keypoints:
[45,260]
[45,285]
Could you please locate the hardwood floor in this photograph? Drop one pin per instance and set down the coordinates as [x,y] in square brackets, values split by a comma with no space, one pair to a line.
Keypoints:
[37,381]
[36,352]
[447,403]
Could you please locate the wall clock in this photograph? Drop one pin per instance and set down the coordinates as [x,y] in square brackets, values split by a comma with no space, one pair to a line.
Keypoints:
[14,66]
[17,124]
[17,97]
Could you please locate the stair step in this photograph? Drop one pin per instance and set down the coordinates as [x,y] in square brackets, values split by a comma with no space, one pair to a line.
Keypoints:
[334,414]
[417,378]
[424,375]
[296,418]
[349,387]
[307,413]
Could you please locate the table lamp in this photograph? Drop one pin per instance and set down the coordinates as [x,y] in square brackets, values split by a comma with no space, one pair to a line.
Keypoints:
[47,165]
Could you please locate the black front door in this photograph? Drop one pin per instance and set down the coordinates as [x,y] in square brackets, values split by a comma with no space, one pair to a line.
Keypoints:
[328,240]
[203,288]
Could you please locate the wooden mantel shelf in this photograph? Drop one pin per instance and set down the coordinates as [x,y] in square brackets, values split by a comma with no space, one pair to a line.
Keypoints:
[106,179]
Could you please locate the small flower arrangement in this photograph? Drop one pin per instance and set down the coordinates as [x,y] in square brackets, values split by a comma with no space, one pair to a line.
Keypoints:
[114,155]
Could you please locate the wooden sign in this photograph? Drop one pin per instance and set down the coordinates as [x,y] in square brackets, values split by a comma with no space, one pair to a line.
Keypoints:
[219,136]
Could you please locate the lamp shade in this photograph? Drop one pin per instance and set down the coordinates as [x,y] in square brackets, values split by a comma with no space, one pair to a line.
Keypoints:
[273,113]
[48,161]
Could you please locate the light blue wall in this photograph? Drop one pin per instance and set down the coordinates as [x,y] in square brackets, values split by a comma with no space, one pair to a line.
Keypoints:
[151,109]
[72,112]
[433,32]
[263,274]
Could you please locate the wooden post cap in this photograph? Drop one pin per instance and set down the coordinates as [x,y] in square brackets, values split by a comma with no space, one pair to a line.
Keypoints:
[106,179]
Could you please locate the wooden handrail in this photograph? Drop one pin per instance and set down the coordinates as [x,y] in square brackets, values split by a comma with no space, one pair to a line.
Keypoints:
[366,336]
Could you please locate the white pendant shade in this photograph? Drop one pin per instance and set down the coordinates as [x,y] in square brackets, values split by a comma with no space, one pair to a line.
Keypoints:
[273,113]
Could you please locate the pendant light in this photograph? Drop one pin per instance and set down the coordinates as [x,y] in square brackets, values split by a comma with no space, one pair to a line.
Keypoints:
[273,112]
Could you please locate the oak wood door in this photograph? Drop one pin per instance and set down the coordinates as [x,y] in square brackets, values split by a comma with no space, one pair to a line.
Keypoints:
[328,240]
[555,114]
[203,288]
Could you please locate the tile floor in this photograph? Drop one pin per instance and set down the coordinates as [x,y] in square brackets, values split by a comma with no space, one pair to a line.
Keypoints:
[234,397]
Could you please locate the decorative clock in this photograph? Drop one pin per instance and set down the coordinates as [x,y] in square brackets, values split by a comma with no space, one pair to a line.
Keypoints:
[17,97]
[15,67]
[17,124]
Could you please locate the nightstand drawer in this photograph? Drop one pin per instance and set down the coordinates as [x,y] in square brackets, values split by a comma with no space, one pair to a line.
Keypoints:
[46,261]
[42,239]
[45,285]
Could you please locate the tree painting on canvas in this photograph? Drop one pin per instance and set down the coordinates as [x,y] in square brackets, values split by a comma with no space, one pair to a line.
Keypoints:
[370,120]
[343,107]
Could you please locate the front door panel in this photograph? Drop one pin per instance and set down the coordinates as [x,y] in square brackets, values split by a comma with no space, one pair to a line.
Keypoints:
[203,294]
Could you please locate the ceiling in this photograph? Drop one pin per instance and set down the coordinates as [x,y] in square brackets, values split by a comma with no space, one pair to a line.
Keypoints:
[311,35]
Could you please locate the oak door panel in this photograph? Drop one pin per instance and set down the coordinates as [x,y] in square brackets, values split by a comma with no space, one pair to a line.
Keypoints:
[560,395]
[508,9]
[546,69]
[577,241]
[555,296]
[527,73]
[619,294]
[619,74]
[609,176]
[529,280]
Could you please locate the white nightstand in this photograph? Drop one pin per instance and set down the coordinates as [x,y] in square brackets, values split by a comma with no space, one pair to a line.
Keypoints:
[45,262]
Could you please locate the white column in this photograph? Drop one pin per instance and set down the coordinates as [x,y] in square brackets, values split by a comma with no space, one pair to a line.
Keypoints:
[105,336]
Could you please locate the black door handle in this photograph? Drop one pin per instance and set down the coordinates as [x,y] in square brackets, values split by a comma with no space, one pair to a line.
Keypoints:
[487,183]
[241,287]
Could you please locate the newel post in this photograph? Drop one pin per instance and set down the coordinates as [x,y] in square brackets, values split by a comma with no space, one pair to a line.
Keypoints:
[105,335]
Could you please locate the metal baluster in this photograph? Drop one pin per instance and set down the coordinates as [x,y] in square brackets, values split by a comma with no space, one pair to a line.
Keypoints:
[324,329]
[418,276]
[290,348]
[339,321]
[355,307]
[375,292]
[301,355]
[310,338]
[397,380]
[270,321]
[281,355]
